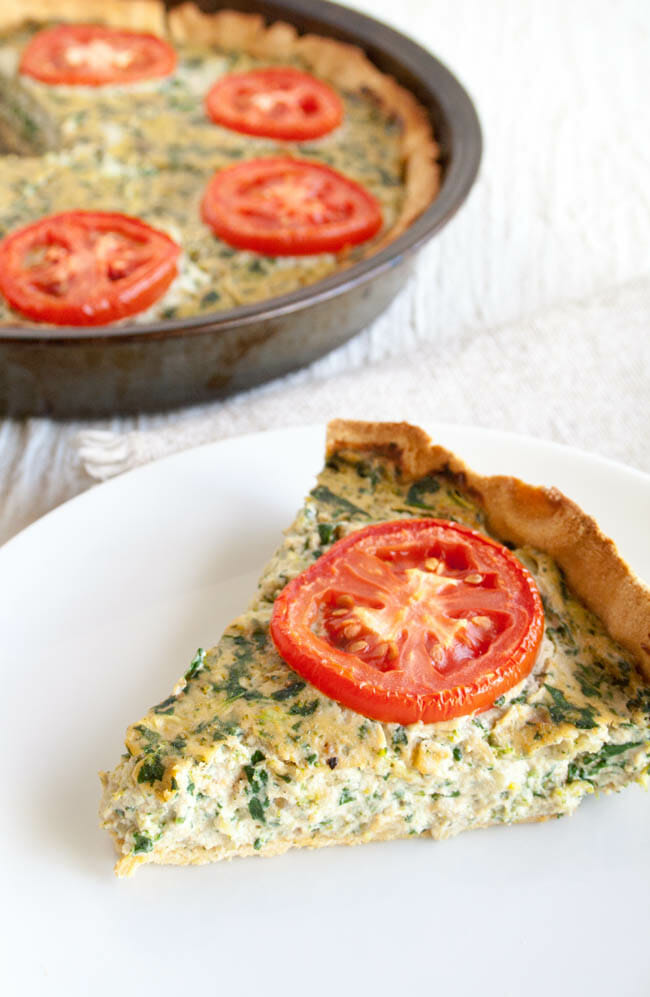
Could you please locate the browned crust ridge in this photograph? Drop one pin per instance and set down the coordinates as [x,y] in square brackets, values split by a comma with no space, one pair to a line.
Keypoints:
[525,515]
[137,15]
[343,65]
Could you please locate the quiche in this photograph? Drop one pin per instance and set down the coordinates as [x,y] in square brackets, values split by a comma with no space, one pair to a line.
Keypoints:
[153,147]
[248,755]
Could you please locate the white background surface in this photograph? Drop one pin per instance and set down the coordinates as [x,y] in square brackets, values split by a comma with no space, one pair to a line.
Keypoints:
[561,212]
[103,603]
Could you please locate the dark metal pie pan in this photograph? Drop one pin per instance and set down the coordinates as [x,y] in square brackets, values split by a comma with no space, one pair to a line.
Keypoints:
[158,365]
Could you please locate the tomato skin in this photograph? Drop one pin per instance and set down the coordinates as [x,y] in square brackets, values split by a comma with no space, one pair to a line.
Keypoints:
[112,56]
[475,660]
[279,102]
[85,268]
[289,207]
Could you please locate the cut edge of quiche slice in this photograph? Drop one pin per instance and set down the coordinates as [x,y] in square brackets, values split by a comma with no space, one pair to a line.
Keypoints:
[245,757]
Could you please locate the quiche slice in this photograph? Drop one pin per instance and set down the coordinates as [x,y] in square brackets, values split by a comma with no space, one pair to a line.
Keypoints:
[246,757]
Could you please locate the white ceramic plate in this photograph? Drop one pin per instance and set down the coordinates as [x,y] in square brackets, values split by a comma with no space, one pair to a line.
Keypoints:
[104,602]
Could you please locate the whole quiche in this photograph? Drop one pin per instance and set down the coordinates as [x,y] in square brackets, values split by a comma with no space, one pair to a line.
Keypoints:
[163,165]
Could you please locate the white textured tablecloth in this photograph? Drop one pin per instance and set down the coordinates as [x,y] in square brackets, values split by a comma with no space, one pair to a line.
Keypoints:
[516,316]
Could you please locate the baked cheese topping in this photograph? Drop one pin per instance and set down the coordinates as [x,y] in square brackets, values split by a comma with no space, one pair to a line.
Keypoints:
[245,756]
[149,149]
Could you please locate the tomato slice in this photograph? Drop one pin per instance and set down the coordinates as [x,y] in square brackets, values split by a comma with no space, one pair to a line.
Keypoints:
[279,102]
[93,55]
[289,207]
[412,620]
[85,267]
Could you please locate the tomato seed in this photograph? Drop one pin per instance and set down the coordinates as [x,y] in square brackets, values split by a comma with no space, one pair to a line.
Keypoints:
[474,579]
[357,646]
[352,630]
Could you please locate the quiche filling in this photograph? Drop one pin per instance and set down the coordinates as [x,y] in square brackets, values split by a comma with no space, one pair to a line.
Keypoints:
[150,149]
[247,757]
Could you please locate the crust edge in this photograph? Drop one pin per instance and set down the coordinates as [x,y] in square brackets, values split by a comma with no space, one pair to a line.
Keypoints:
[526,514]
[138,15]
